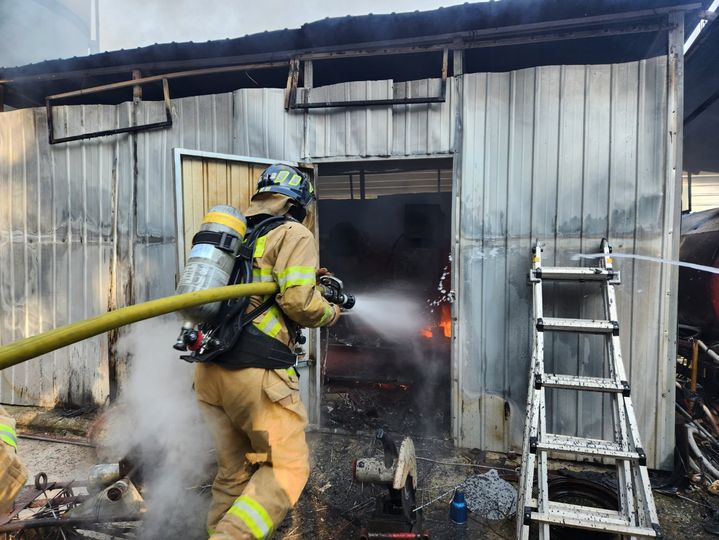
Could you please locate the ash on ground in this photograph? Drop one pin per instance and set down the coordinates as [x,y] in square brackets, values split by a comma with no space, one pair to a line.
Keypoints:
[408,409]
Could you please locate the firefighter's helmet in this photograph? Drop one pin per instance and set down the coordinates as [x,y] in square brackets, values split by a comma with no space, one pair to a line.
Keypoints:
[288,181]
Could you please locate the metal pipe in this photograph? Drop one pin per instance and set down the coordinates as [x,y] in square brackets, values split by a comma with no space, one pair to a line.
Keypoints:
[62,440]
[712,419]
[690,421]
[691,431]
[711,354]
[695,365]
[19,525]
[25,349]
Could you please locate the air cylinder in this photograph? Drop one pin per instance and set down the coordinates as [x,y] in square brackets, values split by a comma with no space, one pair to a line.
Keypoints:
[212,257]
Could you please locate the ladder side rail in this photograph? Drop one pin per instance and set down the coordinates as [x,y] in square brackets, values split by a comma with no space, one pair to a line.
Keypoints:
[615,348]
[612,314]
[540,423]
[643,479]
[533,401]
[526,477]
[629,500]
[542,473]
[648,501]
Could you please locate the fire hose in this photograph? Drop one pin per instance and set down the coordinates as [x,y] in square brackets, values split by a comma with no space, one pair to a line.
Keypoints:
[37,345]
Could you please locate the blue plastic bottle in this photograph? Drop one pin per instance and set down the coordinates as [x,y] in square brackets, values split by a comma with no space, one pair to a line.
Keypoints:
[458,508]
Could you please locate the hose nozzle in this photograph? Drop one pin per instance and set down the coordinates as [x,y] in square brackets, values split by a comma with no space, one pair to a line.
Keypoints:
[333,290]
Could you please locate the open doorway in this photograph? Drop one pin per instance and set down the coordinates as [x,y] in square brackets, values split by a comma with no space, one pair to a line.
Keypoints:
[385,230]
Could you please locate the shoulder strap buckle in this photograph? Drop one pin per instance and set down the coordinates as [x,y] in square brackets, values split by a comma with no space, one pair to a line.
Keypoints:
[221,240]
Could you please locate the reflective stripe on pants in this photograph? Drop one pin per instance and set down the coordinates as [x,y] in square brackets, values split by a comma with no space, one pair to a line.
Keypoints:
[253,515]
[8,435]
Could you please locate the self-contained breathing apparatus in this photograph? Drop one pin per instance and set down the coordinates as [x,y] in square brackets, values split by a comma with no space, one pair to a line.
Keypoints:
[218,329]
[222,253]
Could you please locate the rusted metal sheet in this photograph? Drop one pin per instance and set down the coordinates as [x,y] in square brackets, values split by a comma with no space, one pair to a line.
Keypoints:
[567,155]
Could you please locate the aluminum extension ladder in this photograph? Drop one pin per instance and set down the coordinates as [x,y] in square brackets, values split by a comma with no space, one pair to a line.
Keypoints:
[636,516]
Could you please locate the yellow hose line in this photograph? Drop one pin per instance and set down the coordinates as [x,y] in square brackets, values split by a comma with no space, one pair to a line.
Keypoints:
[37,345]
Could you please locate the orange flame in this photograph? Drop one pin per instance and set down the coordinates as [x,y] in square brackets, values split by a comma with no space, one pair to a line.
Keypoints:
[445,322]
[426,332]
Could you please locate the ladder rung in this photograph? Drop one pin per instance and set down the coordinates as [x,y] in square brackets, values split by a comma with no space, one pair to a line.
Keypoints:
[587,384]
[568,273]
[582,326]
[555,507]
[566,444]
[592,521]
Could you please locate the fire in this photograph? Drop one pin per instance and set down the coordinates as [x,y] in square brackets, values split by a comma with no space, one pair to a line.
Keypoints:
[446,328]
[445,324]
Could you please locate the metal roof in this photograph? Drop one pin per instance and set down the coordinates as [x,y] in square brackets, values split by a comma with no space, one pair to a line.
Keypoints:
[28,85]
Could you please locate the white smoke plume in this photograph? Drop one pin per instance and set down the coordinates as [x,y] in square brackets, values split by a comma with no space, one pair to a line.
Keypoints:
[157,421]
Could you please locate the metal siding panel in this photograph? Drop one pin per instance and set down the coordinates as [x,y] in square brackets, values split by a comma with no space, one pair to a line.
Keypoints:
[422,129]
[567,241]
[56,251]
[594,226]
[705,191]
[494,263]
[622,205]
[585,158]
[262,127]
[649,200]
[350,131]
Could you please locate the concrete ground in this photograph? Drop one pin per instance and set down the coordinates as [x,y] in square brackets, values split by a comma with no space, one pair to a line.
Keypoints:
[334,507]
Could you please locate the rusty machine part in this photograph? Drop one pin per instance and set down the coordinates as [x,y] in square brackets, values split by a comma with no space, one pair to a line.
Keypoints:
[395,515]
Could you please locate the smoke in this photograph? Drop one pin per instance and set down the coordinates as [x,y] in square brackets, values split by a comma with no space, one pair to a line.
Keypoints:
[132,23]
[157,422]
[399,318]
[42,30]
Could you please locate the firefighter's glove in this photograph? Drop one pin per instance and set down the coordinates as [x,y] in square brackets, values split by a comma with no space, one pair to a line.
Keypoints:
[336,316]
[322,272]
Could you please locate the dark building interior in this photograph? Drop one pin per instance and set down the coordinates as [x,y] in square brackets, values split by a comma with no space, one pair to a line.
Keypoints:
[385,229]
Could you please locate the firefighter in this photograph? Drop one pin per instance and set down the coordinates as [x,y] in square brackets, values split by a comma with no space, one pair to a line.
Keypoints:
[250,395]
[12,472]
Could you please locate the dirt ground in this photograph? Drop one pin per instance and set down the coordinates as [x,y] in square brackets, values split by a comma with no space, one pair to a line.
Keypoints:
[334,507]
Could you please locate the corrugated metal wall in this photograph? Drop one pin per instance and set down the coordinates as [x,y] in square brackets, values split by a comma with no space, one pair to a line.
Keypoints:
[88,226]
[567,155]
[704,191]
[64,219]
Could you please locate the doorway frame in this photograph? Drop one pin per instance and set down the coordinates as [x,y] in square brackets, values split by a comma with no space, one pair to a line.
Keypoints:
[456,167]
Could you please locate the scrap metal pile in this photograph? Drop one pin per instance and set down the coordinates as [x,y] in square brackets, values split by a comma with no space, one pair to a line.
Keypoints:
[697,408]
[107,505]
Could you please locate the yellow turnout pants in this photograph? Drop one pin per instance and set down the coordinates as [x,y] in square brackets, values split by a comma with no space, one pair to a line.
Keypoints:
[258,424]
[12,472]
